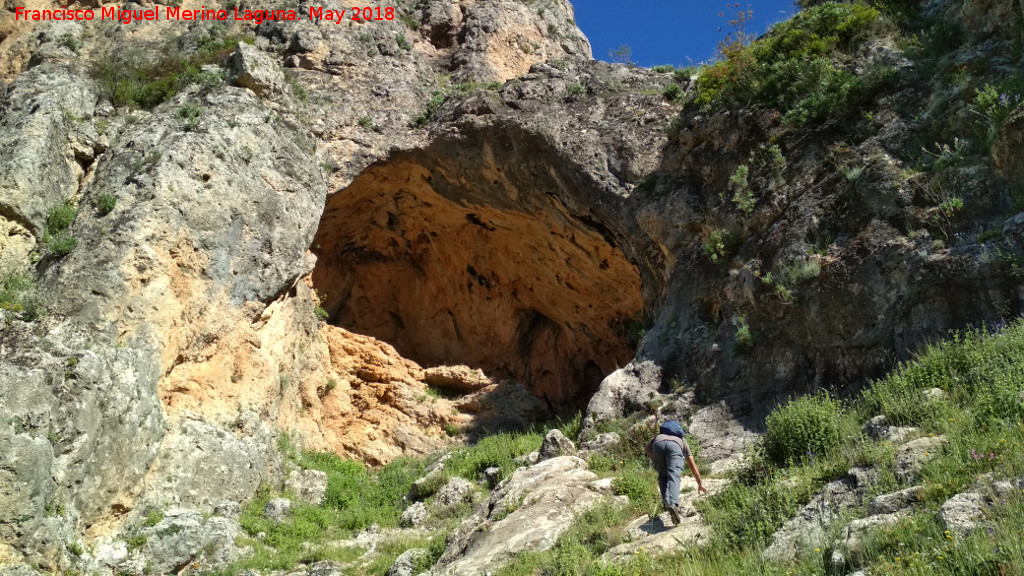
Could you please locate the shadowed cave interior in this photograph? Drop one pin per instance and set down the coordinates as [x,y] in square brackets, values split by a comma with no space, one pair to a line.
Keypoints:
[454,258]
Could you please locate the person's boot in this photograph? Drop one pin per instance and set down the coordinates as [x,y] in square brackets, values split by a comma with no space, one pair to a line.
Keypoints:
[673,511]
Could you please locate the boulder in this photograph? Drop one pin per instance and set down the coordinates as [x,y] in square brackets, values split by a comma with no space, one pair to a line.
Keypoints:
[853,535]
[462,379]
[894,502]
[414,515]
[277,509]
[878,428]
[528,512]
[407,562]
[601,442]
[913,455]
[454,492]
[961,512]
[809,527]
[309,486]
[257,71]
[623,391]
[555,445]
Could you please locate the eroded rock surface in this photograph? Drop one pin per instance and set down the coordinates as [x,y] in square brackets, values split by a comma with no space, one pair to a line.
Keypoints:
[528,512]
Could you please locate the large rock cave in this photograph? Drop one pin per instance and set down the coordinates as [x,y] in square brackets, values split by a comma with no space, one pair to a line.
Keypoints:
[484,250]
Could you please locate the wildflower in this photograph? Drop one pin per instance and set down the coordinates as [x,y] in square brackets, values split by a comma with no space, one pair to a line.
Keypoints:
[817,549]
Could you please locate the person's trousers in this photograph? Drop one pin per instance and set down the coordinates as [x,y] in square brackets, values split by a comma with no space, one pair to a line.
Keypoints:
[669,462]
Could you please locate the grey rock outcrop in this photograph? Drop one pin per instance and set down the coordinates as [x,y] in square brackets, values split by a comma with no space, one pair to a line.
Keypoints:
[808,528]
[913,455]
[852,536]
[879,429]
[407,562]
[625,390]
[309,486]
[184,539]
[960,513]
[415,515]
[454,492]
[555,445]
[528,512]
[894,502]
[252,69]
[277,509]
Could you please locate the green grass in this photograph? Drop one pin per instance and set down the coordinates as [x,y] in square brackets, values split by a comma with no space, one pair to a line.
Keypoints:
[980,372]
[20,295]
[57,237]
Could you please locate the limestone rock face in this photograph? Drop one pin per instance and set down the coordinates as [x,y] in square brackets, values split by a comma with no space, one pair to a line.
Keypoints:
[252,69]
[808,528]
[528,512]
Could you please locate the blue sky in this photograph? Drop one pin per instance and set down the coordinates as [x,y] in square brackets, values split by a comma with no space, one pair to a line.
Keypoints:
[678,32]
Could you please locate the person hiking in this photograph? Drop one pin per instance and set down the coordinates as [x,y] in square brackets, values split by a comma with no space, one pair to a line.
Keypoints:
[668,451]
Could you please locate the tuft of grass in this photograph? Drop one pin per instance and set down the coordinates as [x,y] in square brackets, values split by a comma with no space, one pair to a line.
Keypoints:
[19,294]
[105,204]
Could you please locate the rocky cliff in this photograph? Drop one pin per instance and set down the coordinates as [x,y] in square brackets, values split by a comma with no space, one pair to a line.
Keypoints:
[214,234]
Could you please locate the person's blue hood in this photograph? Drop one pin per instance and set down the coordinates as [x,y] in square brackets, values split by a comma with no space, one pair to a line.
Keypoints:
[672,428]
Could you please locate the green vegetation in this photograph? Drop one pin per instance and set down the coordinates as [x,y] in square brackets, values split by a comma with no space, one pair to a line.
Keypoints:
[673,92]
[793,68]
[19,294]
[804,428]
[815,439]
[575,91]
[191,113]
[105,203]
[743,196]
[436,99]
[139,78]
[719,245]
[57,237]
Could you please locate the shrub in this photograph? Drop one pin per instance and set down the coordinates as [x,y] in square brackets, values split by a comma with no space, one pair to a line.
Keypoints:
[802,428]
[664,69]
[744,338]
[718,245]
[744,196]
[435,102]
[56,237]
[18,294]
[59,219]
[640,484]
[791,69]
[360,497]
[403,42]
[745,515]
[63,246]
[673,92]
[105,204]
[138,78]
[576,91]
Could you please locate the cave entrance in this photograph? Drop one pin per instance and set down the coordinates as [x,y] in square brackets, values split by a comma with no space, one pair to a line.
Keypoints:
[453,257]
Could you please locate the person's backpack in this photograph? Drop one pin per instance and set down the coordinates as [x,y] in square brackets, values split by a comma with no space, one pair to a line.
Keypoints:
[672,428]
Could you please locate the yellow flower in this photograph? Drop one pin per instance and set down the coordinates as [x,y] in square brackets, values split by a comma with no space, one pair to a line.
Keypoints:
[897,558]
[817,549]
